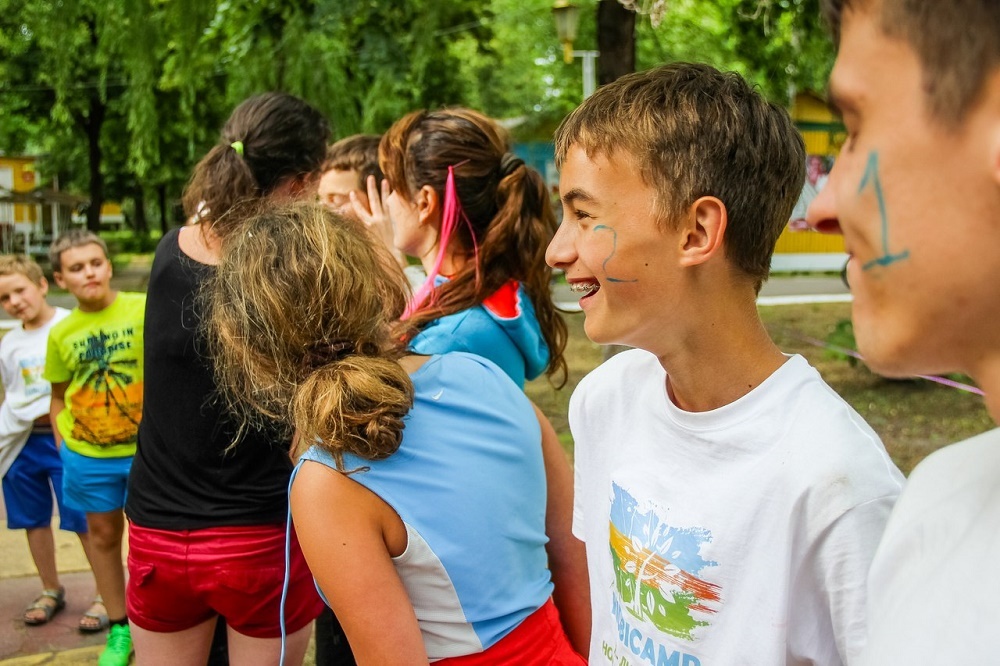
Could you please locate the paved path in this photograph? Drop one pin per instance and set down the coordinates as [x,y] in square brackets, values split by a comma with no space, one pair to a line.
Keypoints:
[59,641]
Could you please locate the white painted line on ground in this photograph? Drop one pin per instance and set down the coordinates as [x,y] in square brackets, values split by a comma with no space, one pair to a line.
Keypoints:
[803,299]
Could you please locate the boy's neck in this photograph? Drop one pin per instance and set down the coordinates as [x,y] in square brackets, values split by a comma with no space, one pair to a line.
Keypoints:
[726,359]
[99,304]
[986,375]
[45,315]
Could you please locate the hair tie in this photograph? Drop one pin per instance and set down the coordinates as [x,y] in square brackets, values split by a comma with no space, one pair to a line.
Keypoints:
[238,147]
[325,353]
[509,163]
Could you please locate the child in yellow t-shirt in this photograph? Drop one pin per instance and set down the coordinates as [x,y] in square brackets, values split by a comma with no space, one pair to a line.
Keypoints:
[95,362]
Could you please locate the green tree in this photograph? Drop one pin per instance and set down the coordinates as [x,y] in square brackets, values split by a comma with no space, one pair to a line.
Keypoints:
[780,45]
[123,96]
[71,70]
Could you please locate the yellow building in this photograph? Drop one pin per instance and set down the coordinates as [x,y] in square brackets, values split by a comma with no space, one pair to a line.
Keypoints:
[30,216]
[823,135]
[17,174]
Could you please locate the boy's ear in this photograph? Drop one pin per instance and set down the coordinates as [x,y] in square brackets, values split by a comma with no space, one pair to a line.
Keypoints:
[43,286]
[703,230]
[428,204]
[57,276]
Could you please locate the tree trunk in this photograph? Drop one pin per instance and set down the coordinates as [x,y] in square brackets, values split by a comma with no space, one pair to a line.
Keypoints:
[615,41]
[92,125]
[161,193]
[141,223]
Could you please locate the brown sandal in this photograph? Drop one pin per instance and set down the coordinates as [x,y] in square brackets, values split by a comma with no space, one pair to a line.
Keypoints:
[49,602]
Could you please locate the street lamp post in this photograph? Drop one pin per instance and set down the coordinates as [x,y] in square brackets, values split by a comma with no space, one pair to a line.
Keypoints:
[589,71]
[567,17]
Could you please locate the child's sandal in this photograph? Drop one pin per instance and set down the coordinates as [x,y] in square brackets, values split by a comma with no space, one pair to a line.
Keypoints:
[93,620]
[49,602]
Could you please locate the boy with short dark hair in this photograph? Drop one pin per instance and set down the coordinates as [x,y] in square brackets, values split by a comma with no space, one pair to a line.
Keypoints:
[29,461]
[353,185]
[730,501]
[349,163]
[95,363]
[916,193]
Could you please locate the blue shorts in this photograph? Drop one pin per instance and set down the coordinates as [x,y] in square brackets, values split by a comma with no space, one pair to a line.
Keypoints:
[29,484]
[94,485]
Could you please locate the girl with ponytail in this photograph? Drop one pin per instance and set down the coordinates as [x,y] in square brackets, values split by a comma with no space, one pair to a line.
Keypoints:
[479,221]
[207,500]
[420,498]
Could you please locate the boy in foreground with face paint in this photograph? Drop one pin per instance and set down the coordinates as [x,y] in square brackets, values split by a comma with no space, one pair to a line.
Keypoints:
[916,193]
[730,501]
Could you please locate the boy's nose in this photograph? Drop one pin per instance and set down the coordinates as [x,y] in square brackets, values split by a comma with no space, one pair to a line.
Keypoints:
[560,251]
[822,213]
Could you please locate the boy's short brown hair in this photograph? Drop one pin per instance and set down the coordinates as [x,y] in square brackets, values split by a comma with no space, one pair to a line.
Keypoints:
[70,239]
[358,153]
[957,42]
[694,131]
[21,264]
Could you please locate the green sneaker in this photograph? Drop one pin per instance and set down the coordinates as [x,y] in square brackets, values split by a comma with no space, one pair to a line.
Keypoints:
[118,651]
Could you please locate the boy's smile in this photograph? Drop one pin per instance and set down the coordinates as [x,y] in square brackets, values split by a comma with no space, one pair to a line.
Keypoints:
[86,273]
[612,249]
[584,287]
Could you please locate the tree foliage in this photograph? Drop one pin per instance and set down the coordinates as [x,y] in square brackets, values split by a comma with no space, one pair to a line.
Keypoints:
[123,96]
[780,45]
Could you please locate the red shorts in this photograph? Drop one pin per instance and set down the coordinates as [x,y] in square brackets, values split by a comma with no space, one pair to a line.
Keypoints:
[179,579]
[538,641]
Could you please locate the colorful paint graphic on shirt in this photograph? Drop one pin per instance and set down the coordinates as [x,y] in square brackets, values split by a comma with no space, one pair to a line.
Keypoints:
[107,406]
[658,569]
[32,370]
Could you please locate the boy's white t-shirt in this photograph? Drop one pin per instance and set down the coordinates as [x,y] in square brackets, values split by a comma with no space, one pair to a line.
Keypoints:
[748,529]
[26,394]
[934,586]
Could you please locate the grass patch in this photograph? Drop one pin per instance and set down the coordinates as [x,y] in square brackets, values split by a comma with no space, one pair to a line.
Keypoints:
[913,417]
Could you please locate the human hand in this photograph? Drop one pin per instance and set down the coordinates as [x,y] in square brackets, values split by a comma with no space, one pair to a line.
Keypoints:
[375,216]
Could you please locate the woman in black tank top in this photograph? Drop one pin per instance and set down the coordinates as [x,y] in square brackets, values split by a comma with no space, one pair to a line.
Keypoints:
[198,480]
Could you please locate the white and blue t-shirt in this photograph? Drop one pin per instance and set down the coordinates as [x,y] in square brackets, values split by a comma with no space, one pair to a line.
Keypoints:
[468,482]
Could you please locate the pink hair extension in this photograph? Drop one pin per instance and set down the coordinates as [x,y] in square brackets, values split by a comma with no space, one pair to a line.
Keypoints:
[450,216]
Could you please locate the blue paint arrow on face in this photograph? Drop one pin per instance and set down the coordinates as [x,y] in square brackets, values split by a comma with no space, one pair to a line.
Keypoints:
[614,248]
[872,176]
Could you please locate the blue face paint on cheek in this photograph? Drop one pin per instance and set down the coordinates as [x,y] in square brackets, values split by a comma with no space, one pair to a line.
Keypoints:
[614,248]
[872,177]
